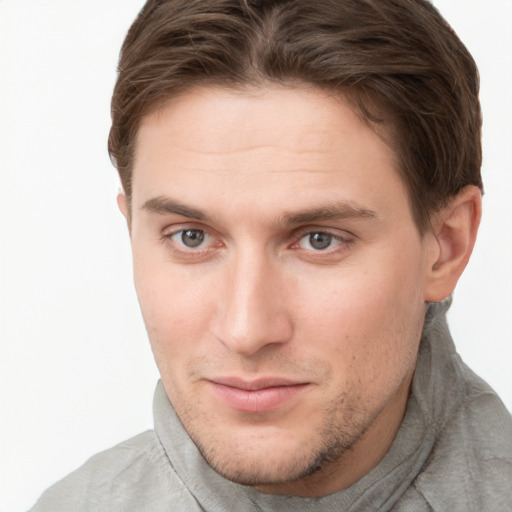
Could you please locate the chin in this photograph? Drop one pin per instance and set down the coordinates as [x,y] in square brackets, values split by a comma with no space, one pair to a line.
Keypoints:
[259,469]
[272,460]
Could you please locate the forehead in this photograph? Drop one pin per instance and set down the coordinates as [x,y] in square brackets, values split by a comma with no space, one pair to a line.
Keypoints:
[284,146]
[213,120]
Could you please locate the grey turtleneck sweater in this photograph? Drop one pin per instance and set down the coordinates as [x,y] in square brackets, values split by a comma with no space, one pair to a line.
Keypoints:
[453,453]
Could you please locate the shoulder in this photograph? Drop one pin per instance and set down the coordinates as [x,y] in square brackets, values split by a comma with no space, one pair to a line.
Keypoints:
[133,475]
[470,466]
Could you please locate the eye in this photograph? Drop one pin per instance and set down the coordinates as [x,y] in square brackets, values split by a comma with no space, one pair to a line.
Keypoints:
[319,241]
[190,238]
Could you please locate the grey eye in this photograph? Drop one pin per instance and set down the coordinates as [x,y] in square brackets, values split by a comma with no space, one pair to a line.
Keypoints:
[320,241]
[192,238]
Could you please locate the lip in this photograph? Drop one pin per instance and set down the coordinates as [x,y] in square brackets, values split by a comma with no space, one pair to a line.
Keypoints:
[256,396]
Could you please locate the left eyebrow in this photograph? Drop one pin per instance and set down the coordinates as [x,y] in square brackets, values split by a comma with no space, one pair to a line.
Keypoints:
[335,211]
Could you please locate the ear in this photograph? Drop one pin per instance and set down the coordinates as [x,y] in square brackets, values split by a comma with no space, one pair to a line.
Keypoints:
[454,233]
[122,203]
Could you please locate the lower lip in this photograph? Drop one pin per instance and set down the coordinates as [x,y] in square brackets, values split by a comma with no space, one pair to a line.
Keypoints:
[258,400]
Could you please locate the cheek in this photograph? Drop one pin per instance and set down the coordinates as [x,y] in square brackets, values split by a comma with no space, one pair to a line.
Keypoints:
[175,308]
[366,322]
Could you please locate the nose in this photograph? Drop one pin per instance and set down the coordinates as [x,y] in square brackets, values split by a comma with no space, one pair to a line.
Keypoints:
[253,311]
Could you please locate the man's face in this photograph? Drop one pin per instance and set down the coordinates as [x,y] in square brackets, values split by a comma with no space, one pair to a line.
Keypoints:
[281,279]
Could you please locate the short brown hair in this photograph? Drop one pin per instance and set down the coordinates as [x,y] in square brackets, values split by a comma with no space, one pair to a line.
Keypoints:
[398,62]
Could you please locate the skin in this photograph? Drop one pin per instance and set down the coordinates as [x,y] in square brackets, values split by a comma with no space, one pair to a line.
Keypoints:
[303,264]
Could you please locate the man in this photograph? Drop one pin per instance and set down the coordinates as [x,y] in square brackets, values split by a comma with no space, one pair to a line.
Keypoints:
[301,183]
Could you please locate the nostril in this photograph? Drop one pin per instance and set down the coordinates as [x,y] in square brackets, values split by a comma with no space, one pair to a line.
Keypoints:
[248,335]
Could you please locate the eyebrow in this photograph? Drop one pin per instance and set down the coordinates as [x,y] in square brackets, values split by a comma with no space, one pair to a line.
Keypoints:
[164,205]
[332,211]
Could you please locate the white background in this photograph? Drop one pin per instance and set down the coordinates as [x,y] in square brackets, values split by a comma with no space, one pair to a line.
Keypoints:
[76,372]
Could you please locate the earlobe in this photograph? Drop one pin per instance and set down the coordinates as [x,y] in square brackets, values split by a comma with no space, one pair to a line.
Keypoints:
[454,232]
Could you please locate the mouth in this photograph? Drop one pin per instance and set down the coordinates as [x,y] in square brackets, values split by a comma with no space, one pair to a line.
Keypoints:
[256,396]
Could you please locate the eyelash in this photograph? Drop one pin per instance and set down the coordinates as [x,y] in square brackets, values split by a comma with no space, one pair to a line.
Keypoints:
[344,242]
[189,253]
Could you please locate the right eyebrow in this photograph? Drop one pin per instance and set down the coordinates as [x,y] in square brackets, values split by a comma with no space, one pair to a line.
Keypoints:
[165,205]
